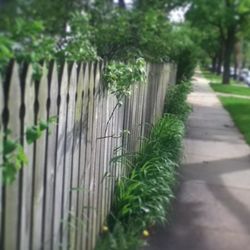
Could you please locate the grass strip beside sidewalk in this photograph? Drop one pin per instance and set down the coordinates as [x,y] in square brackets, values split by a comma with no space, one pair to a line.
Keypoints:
[231,89]
[234,88]
[239,110]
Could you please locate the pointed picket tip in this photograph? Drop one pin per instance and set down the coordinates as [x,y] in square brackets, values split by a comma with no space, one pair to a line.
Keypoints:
[73,80]
[53,81]
[64,79]
[29,97]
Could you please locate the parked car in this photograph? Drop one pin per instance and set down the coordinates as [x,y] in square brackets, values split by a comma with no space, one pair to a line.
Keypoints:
[244,73]
[247,80]
[231,71]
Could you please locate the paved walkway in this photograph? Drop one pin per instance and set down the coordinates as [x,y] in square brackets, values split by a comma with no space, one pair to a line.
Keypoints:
[212,210]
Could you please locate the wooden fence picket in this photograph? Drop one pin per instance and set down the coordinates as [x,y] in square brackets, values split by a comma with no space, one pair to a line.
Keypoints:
[68,157]
[82,192]
[39,163]
[12,194]
[60,156]
[27,172]
[96,153]
[87,197]
[49,175]
[75,160]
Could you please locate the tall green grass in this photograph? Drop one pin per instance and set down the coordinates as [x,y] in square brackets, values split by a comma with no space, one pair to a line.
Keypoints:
[142,198]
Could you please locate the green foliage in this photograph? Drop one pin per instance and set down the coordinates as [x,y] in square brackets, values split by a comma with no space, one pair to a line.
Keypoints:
[120,238]
[184,52]
[77,44]
[27,43]
[14,157]
[176,100]
[143,198]
[115,35]
[121,76]
[35,132]
[127,35]
[231,89]
[6,54]
[153,35]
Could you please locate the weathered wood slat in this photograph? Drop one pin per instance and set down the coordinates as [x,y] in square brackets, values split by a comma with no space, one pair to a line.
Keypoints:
[87,208]
[91,154]
[51,160]
[96,152]
[75,162]
[68,157]
[60,156]
[82,192]
[105,178]
[39,164]
[12,195]
[103,156]
[101,141]
[109,152]
[27,172]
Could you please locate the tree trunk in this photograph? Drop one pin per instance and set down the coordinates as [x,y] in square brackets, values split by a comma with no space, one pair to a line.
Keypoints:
[220,58]
[229,46]
[122,4]
[214,61]
[219,64]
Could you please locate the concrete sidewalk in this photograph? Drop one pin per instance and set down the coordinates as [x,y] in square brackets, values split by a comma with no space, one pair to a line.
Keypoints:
[212,210]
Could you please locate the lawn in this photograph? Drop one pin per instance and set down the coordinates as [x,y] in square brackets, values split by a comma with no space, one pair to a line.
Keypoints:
[239,110]
[230,89]
[235,87]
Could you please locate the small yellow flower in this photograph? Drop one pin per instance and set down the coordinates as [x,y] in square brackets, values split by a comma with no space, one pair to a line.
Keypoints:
[145,233]
[105,229]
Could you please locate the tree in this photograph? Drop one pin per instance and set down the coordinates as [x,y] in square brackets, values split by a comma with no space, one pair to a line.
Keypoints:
[230,17]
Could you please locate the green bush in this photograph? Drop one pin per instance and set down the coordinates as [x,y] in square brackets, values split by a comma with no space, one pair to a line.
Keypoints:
[184,52]
[143,198]
[176,100]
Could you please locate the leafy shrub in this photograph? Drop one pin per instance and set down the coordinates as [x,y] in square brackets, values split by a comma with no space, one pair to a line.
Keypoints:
[176,100]
[143,198]
[127,35]
[77,46]
[27,43]
[184,52]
